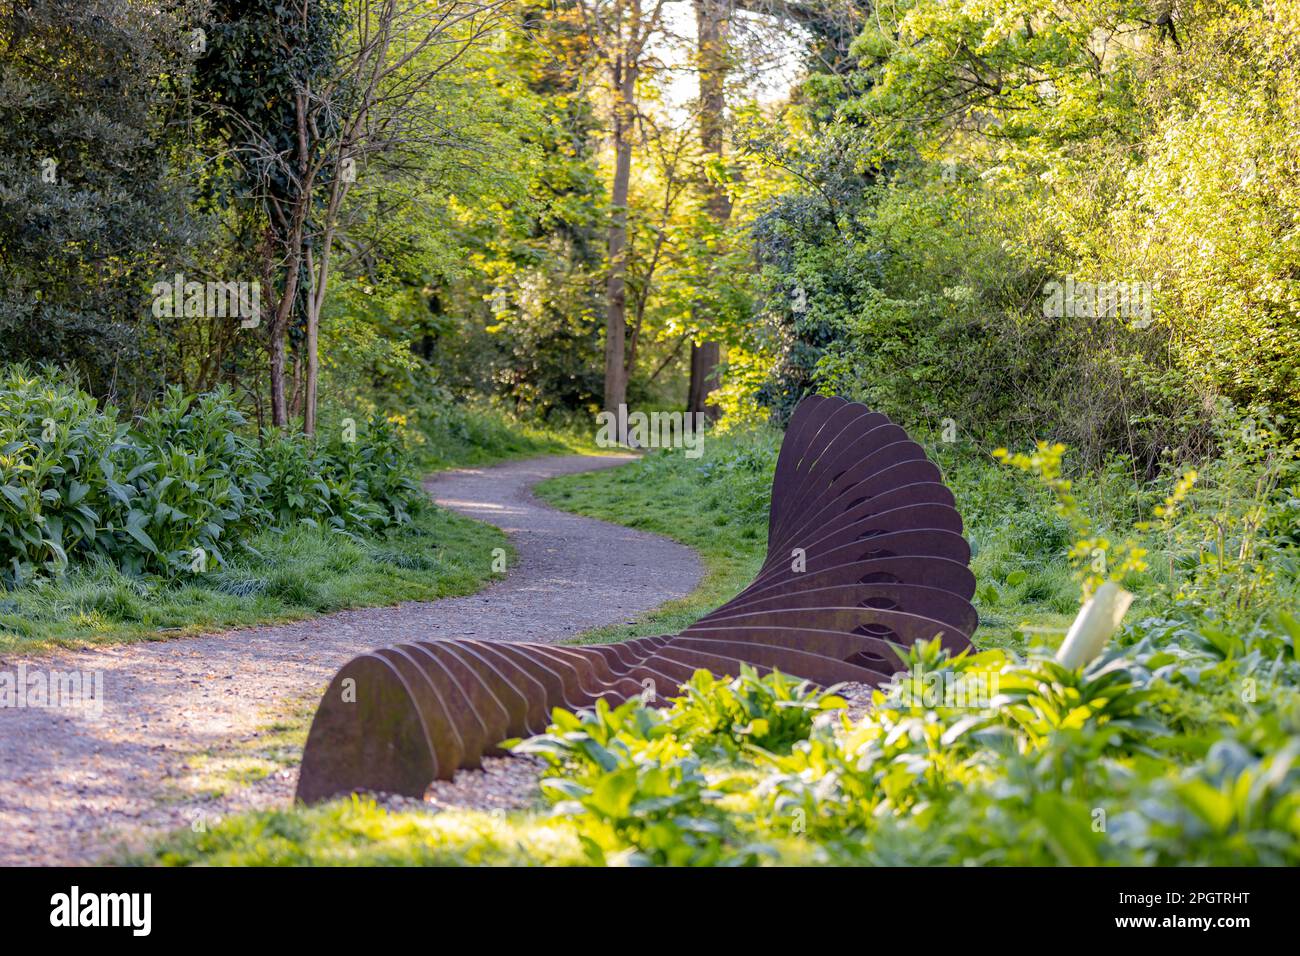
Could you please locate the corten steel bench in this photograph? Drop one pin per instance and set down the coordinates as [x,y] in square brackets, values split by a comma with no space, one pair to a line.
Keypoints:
[865,555]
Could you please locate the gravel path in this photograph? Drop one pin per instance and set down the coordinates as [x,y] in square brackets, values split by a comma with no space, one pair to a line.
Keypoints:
[72,785]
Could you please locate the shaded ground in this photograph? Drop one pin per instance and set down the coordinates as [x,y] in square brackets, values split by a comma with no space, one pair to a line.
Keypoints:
[72,785]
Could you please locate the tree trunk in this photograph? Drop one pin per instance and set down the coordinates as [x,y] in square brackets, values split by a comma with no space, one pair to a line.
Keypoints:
[279,332]
[616,374]
[712,25]
[279,401]
[296,389]
[704,371]
[320,276]
[313,334]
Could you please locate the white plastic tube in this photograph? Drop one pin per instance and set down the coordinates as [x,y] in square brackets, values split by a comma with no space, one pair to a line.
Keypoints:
[1098,619]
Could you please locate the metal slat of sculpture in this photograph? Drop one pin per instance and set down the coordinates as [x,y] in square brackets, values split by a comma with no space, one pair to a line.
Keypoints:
[865,555]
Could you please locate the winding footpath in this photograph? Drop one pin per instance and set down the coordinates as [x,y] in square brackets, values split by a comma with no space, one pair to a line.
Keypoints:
[72,787]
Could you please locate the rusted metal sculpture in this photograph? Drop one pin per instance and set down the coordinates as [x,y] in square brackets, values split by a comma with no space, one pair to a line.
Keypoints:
[865,555]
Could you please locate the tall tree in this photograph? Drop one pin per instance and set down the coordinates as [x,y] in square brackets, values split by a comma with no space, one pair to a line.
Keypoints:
[264,67]
[310,94]
[620,32]
[712,28]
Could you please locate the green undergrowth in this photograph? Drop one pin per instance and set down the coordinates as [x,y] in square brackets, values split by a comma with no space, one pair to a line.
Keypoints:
[1151,756]
[180,487]
[293,575]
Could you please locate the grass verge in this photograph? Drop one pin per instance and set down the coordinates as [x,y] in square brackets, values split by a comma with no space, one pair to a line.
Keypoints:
[359,832]
[292,576]
[460,436]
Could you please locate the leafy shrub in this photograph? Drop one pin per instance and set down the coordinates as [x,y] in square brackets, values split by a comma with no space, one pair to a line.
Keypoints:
[1149,756]
[295,489]
[187,478]
[641,774]
[722,716]
[369,478]
[173,493]
[55,449]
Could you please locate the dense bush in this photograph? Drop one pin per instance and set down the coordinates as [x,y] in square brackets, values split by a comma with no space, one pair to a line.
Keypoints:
[1171,749]
[91,202]
[55,456]
[933,212]
[177,489]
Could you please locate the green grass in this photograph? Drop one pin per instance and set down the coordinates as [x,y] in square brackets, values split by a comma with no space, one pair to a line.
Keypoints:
[467,437]
[357,832]
[295,575]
